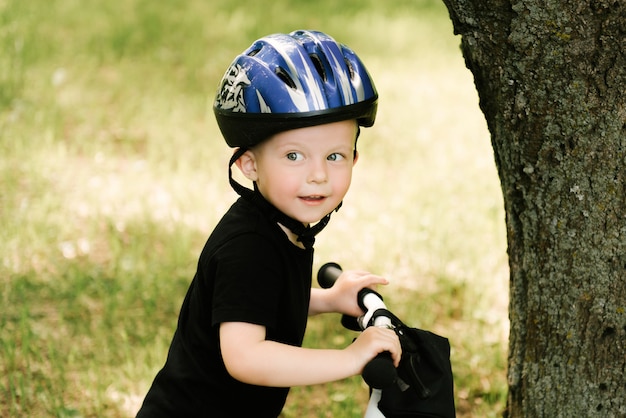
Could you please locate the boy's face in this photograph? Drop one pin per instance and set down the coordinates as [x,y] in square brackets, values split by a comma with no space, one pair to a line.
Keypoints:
[304,172]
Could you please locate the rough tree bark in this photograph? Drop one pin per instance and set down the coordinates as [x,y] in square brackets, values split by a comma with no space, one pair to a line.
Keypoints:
[551,77]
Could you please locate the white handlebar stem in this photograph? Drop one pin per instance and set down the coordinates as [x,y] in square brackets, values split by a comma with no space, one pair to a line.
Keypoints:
[373,302]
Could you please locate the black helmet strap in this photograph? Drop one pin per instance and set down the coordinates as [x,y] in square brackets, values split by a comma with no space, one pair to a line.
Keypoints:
[306,234]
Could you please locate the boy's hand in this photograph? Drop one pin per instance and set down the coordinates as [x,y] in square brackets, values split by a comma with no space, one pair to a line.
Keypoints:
[375,340]
[343,294]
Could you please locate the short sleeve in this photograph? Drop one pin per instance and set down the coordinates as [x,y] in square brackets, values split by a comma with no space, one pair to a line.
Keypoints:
[247,282]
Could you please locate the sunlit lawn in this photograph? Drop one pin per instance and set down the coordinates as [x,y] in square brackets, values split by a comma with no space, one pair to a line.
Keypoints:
[113,173]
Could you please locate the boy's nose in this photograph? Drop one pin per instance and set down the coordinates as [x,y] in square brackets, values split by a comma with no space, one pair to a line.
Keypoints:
[318,173]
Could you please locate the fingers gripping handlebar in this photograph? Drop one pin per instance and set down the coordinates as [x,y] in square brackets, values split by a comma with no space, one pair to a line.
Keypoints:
[380,372]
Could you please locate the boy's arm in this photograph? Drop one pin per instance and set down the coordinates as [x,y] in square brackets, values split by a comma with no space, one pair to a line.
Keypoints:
[342,297]
[250,358]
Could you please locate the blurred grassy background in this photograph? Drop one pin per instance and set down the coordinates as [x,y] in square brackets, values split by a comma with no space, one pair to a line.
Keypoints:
[113,173]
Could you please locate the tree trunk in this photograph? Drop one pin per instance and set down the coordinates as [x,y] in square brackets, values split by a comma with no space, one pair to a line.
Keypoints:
[551,77]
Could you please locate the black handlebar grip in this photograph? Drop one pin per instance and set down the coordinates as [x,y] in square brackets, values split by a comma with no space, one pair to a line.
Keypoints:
[328,274]
[380,373]
[326,277]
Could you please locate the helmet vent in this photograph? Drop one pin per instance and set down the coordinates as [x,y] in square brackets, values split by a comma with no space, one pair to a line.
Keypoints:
[253,52]
[350,68]
[317,62]
[285,77]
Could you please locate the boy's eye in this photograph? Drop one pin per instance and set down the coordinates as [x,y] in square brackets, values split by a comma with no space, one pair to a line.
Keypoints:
[335,157]
[294,156]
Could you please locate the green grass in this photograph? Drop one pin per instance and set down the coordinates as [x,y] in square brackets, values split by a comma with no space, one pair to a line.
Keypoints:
[113,173]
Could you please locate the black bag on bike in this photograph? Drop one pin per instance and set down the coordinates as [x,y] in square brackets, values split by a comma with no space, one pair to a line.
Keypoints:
[425,385]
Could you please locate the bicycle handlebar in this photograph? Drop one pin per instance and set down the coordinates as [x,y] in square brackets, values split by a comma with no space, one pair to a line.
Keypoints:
[379,372]
[327,274]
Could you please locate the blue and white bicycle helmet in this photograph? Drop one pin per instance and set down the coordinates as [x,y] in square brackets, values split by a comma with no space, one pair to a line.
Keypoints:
[290,81]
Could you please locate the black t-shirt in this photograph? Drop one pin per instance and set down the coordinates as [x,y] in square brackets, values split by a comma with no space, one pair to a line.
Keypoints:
[248,272]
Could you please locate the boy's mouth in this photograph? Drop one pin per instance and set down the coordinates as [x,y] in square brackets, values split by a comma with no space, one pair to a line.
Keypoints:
[313,198]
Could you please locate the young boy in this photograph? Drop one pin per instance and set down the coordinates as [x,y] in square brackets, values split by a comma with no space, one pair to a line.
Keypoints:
[292,106]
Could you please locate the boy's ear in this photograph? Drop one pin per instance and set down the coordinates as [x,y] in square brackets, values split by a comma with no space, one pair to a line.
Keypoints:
[247,165]
[355,157]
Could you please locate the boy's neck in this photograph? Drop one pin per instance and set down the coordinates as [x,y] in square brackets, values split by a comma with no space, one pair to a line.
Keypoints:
[293,238]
